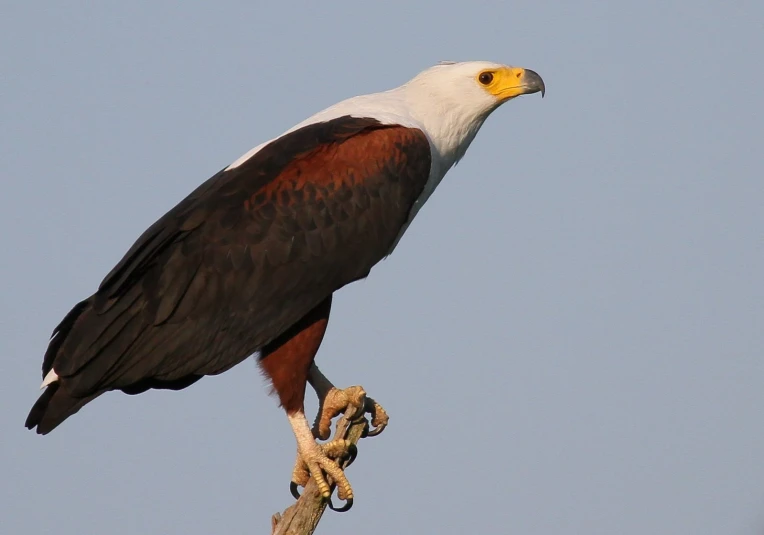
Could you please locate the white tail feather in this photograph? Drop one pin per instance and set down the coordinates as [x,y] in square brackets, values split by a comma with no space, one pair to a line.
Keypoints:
[52,377]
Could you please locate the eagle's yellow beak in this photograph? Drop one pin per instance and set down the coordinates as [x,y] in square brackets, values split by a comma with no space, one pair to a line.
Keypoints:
[511,82]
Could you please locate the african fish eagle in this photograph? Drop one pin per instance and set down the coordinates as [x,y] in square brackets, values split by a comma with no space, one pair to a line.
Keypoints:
[248,262]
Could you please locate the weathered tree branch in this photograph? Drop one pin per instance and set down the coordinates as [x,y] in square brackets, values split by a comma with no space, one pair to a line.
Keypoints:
[303,516]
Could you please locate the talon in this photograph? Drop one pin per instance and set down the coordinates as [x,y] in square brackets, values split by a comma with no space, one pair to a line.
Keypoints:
[333,404]
[341,449]
[321,462]
[352,453]
[344,508]
[318,476]
[379,417]
[337,448]
[336,401]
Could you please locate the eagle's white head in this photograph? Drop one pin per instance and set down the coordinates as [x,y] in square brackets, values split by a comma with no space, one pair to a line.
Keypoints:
[452,100]
[475,87]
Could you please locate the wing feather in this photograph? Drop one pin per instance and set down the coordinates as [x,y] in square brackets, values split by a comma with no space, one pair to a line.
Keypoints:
[243,257]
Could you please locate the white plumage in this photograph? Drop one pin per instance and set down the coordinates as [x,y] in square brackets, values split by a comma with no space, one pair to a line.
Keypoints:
[50,378]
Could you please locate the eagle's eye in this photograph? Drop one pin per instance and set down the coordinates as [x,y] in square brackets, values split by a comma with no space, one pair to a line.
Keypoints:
[485,78]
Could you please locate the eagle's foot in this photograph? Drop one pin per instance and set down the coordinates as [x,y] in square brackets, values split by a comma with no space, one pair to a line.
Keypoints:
[320,461]
[336,402]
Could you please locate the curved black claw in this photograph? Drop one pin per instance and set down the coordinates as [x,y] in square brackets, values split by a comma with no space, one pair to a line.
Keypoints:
[374,431]
[295,490]
[352,454]
[344,508]
[379,418]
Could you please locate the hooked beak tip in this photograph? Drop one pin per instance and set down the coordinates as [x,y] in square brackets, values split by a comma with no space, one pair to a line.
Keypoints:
[533,83]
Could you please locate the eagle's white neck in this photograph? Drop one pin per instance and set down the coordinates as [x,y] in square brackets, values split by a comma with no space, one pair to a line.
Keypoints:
[450,124]
[450,127]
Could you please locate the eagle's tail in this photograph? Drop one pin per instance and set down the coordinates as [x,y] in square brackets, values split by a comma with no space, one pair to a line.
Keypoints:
[85,358]
[53,407]
[56,404]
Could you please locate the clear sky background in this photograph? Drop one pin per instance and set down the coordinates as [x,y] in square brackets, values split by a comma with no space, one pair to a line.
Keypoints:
[568,340]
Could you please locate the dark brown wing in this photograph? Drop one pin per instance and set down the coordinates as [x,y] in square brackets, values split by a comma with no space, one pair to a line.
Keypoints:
[242,258]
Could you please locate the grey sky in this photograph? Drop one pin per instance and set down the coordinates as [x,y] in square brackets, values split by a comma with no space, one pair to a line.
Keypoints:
[568,340]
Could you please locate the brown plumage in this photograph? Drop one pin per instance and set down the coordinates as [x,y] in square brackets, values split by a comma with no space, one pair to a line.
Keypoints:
[245,263]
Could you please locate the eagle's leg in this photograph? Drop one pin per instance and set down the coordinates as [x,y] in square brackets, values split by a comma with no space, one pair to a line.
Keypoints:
[286,362]
[333,401]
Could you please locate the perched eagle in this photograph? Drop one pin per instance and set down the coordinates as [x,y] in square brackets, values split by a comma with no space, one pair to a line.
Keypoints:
[248,262]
